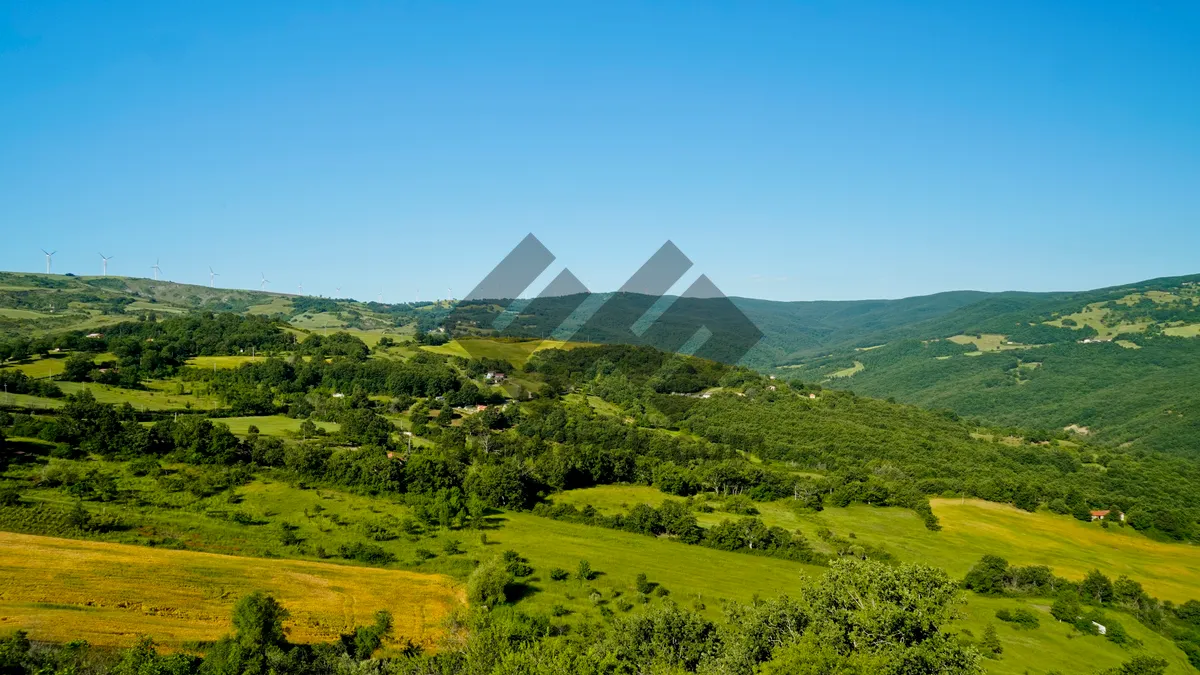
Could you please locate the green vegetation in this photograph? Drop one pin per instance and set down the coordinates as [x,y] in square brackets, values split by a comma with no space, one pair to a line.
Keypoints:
[606,504]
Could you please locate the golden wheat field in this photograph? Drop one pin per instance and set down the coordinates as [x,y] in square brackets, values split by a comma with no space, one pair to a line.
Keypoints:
[108,594]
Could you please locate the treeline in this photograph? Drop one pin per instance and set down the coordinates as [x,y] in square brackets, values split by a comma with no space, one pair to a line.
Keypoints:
[148,349]
[887,453]
[675,519]
[288,386]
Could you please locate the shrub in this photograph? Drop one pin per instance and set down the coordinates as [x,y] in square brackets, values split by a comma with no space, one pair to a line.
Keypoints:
[559,574]
[486,585]
[1023,618]
[584,571]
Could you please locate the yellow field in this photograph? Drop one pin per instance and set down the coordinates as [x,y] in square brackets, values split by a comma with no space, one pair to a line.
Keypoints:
[223,361]
[515,352]
[108,594]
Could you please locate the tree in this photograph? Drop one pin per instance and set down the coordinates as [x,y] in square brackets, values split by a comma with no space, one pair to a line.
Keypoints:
[1140,665]
[988,576]
[486,585]
[990,642]
[643,585]
[78,367]
[1096,588]
[583,572]
[258,623]
[445,415]
[1066,607]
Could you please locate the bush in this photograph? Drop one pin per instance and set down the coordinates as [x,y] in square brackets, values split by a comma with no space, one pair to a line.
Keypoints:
[371,554]
[584,571]
[559,574]
[452,547]
[643,585]
[487,584]
[1021,617]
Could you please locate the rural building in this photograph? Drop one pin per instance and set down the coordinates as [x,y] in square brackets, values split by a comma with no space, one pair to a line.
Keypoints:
[1101,515]
[495,376]
[95,336]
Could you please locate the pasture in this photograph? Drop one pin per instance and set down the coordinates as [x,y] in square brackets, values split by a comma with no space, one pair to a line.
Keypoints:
[1190,330]
[516,352]
[1054,646]
[970,529]
[223,362]
[271,425]
[849,372]
[158,395]
[108,594]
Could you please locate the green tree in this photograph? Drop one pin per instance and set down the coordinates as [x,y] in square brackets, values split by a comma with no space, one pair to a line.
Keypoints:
[583,572]
[990,642]
[258,622]
[1066,607]
[487,584]
[1096,588]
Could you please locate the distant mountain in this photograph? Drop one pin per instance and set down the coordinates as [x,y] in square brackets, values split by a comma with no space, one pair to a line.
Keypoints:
[1120,364]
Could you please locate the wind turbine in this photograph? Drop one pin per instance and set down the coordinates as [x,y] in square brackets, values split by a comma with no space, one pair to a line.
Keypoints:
[49,255]
[300,288]
[264,282]
[156,269]
[211,276]
[105,260]
[339,290]
[381,295]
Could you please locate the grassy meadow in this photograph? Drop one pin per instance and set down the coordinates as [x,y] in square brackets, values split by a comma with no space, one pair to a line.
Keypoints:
[1056,647]
[108,594]
[970,529]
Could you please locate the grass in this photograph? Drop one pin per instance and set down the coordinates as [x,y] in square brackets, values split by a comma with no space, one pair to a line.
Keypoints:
[159,395]
[22,314]
[516,352]
[271,425]
[970,530]
[849,372]
[1190,330]
[179,596]
[108,594]
[278,305]
[223,362]
[986,342]
[1054,646]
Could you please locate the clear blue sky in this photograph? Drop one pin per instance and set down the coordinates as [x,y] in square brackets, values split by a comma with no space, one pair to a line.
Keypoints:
[825,150]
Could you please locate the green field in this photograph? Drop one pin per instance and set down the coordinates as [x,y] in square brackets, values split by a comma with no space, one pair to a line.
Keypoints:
[970,530]
[271,425]
[159,395]
[223,361]
[695,576]
[1054,646]
[1188,331]
[516,352]
[849,372]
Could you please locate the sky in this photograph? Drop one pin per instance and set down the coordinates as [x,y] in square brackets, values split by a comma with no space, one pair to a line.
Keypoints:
[793,151]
